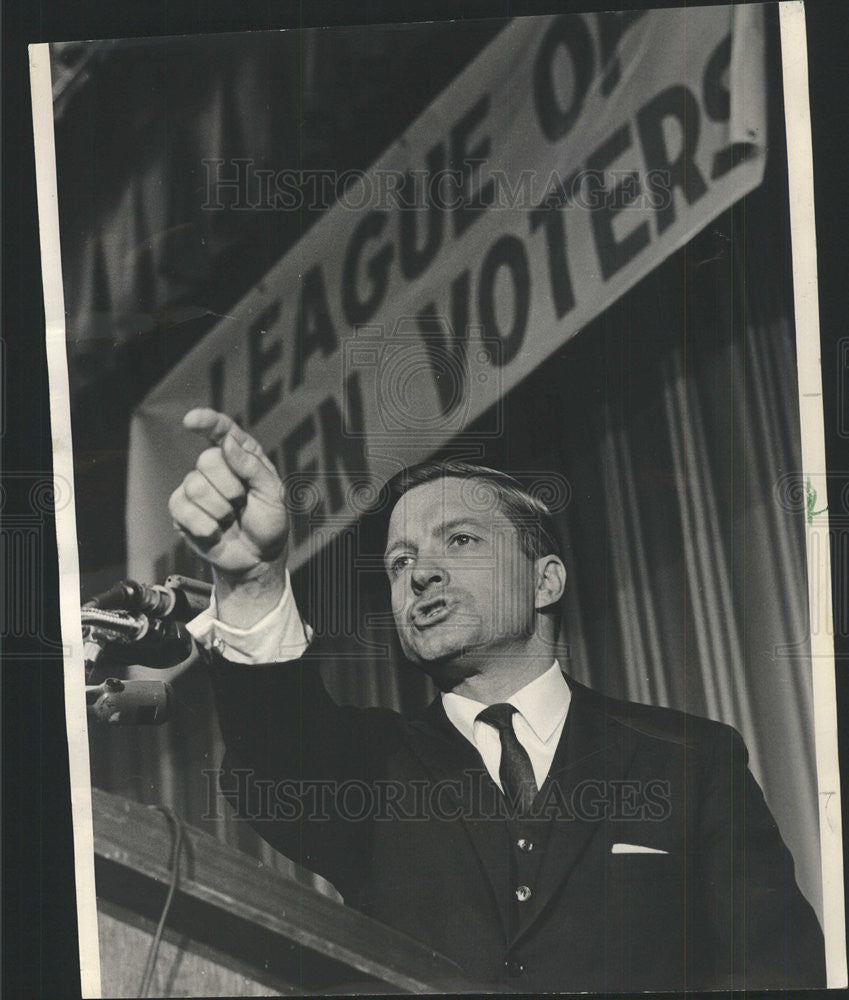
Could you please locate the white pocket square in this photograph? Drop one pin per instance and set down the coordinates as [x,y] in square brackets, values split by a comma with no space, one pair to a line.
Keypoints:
[635,849]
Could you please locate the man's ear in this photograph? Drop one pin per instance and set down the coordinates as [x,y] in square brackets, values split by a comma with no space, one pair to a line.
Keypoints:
[551,581]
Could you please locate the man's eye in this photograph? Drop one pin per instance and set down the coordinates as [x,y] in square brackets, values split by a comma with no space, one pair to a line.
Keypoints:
[462,538]
[399,563]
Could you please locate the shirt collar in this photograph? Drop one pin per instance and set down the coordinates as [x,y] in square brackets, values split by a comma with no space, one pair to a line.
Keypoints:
[543,704]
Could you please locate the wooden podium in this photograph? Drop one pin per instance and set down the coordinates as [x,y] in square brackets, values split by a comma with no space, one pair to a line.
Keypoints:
[236,927]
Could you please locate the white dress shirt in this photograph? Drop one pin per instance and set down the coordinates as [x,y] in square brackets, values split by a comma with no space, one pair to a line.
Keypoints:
[281,635]
[541,706]
[541,710]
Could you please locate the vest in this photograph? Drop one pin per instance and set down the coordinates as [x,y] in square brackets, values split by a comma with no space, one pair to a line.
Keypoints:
[520,841]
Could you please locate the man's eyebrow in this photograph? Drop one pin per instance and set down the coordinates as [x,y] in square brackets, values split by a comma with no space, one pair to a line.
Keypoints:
[468,521]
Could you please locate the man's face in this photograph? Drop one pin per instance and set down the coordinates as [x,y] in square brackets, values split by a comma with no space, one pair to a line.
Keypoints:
[461,585]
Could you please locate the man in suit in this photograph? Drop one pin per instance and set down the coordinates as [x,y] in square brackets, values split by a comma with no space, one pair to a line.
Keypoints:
[543,836]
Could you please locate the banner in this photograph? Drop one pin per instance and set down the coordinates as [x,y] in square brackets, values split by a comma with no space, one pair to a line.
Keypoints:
[560,167]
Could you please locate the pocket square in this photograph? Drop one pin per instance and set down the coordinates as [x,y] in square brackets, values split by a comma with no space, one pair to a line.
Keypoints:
[635,849]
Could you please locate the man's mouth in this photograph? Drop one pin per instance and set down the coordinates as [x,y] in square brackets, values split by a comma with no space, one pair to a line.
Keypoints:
[428,613]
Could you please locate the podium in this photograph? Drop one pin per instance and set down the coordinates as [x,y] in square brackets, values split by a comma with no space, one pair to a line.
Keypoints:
[236,927]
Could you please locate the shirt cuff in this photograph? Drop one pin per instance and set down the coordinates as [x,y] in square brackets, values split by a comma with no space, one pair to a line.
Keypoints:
[280,636]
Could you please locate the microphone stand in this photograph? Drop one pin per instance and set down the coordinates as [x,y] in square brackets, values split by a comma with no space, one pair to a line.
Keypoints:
[139,624]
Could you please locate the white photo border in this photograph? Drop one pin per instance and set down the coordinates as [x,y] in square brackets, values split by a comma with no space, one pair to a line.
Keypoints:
[805,294]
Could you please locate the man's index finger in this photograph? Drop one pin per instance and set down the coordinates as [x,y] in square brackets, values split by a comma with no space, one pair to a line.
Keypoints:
[212,424]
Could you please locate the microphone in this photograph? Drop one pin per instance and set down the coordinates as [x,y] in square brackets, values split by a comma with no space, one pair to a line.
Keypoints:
[179,599]
[138,624]
[136,639]
[130,703]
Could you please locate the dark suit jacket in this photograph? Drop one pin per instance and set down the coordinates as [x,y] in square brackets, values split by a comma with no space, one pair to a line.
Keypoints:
[335,789]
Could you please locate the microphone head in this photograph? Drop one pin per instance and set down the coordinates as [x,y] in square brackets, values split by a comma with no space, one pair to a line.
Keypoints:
[133,703]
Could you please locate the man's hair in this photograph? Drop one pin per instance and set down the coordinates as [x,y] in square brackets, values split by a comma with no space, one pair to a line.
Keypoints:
[490,490]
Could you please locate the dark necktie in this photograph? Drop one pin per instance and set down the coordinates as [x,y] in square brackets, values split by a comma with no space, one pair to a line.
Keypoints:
[516,771]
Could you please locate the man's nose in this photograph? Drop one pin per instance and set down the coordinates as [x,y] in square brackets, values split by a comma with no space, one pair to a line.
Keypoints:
[427,575]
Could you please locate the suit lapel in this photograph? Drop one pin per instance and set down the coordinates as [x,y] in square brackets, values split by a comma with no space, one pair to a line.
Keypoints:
[448,756]
[592,753]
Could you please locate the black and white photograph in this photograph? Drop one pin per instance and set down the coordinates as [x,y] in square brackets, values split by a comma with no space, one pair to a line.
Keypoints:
[439,479]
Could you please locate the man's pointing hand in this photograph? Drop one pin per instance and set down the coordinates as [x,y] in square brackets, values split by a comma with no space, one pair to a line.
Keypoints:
[230,507]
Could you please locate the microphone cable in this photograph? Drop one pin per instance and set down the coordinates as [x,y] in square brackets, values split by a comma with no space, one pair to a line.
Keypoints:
[178,832]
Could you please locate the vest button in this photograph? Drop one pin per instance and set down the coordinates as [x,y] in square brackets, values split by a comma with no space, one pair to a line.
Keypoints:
[514,966]
[523,893]
[525,845]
